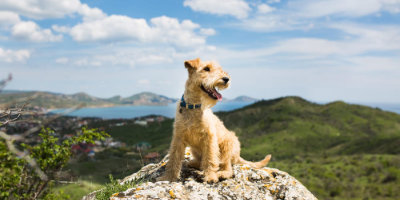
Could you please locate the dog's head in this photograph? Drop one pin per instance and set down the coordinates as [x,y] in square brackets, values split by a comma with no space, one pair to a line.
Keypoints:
[207,77]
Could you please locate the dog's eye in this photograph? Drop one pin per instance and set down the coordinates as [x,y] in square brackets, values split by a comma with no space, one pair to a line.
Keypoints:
[206,69]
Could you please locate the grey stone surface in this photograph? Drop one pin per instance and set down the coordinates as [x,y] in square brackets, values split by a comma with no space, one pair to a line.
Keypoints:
[247,183]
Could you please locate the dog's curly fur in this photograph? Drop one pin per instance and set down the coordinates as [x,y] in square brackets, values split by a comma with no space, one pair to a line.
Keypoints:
[214,147]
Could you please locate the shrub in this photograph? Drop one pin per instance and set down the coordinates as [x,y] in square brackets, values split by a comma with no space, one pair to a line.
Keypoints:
[19,180]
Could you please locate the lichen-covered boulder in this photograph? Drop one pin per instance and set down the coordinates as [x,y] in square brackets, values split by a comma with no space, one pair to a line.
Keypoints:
[247,183]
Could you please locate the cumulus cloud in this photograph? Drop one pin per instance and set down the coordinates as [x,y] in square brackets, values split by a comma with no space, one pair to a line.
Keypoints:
[160,30]
[30,31]
[11,56]
[8,18]
[11,10]
[61,29]
[237,8]
[90,13]
[44,9]
[96,25]
[264,8]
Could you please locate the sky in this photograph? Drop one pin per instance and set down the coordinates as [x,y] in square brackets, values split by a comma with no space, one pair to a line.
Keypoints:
[321,50]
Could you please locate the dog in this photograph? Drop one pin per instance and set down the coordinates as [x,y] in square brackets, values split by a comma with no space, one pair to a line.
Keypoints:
[214,148]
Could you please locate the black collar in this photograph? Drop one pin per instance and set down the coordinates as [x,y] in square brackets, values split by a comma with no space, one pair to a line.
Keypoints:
[183,104]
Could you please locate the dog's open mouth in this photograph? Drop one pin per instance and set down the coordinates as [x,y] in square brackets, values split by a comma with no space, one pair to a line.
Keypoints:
[213,93]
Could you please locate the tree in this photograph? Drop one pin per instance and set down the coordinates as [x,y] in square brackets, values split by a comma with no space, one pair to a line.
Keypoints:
[28,170]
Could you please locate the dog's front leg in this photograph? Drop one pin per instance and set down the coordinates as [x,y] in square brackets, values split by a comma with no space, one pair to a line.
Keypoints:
[174,165]
[209,160]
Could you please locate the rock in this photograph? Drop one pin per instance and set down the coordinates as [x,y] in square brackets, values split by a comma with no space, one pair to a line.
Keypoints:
[248,183]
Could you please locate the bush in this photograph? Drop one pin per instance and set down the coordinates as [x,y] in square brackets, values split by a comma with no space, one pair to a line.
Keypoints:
[20,180]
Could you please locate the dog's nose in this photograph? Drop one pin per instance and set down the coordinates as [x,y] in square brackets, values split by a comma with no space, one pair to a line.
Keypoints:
[225,79]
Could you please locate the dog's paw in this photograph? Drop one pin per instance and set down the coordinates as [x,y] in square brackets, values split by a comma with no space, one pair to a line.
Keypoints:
[225,174]
[211,177]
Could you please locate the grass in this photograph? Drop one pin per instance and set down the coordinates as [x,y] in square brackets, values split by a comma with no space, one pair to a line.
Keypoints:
[78,190]
[113,188]
[347,177]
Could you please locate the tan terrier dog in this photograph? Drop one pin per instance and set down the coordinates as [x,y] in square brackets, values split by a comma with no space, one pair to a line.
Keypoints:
[214,147]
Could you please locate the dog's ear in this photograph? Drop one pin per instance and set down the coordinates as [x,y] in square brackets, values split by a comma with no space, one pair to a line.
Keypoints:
[192,64]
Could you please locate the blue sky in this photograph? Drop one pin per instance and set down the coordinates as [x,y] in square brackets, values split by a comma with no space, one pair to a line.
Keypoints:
[322,50]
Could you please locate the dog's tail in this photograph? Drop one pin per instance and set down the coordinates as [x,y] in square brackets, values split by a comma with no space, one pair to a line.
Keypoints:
[258,164]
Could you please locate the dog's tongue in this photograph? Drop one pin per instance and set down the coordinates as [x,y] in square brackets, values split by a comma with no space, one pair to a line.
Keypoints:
[217,94]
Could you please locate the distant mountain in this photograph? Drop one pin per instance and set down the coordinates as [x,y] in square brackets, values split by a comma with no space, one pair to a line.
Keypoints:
[55,100]
[13,91]
[244,99]
[115,99]
[51,100]
[147,98]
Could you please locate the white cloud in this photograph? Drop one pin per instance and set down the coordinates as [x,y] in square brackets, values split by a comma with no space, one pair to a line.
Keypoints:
[353,8]
[207,31]
[269,22]
[365,38]
[308,14]
[122,57]
[274,1]
[87,62]
[90,13]
[44,9]
[30,31]
[358,40]
[160,30]
[264,8]
[62,60]
[8,18]
[12,56]
[237,8]
[61,29]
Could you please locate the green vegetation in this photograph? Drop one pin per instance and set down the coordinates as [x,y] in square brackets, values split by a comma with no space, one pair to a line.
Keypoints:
[77,190]
[113,162]
[114,187]
[337,150]
[347,176]
[20,179]
[157,134]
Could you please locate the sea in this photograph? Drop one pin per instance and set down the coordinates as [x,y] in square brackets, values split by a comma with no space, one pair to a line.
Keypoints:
[127,112]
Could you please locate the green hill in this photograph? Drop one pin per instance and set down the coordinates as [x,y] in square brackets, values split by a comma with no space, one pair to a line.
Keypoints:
[337,150]
[292,126]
